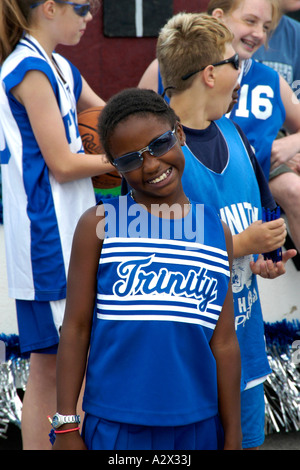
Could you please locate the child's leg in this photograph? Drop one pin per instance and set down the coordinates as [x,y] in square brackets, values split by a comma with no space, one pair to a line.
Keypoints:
[38,324]
[39,402]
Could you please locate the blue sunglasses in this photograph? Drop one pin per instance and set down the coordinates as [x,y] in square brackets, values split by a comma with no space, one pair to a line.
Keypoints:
[157,148]
[80,9]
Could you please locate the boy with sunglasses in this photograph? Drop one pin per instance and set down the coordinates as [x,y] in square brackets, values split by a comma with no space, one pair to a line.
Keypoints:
[221,170]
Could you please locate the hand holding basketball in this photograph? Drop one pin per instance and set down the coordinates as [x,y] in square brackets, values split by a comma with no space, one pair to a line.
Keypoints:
[87,125]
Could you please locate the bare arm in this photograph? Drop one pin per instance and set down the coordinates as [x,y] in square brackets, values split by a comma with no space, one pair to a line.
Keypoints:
[263,238]
[75,333]
[36,94]
[269,270]
[259,238]
[285,149]
[88,98]
[149,79]
[225,347]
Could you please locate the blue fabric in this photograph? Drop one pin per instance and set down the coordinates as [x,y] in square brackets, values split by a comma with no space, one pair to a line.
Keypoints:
[45,236]
[260,112]
[212,152]
[38,253]
[238,208]
[100,434]
[158,301]
[253,416]
[36,326]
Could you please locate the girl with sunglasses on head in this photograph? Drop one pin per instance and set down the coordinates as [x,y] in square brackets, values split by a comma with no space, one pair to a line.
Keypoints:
[149,303]
[46,180]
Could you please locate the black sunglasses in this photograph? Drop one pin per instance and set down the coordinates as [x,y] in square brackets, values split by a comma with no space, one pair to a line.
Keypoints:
[80,9]
[157,148]
[234,60]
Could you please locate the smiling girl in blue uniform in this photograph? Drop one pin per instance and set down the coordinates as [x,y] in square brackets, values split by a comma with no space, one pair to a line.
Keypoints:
[154,311]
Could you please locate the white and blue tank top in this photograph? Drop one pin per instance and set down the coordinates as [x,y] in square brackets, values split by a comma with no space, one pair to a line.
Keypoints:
[160,292]
[235,194]
[260,112]
[40,215]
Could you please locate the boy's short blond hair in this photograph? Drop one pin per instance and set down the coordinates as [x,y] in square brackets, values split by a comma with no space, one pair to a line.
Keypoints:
[187,42]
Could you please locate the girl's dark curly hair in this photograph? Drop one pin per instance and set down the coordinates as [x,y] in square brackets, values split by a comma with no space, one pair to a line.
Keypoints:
[132,101]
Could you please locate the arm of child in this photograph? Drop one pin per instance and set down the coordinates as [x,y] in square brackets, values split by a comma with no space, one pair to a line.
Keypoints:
[88,98]
[259,238]
[149,79]
[76,328]
[269,270]
[225,347]
[36,95]
[284,149]
[263,238]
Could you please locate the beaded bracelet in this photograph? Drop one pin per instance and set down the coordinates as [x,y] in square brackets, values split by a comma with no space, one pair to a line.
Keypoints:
[67,430]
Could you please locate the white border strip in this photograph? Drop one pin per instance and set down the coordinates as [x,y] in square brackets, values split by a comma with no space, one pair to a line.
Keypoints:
[139,18]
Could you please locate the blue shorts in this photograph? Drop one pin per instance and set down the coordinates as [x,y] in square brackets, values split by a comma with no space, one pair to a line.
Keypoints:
[253,416]
[101,434]
[39,324]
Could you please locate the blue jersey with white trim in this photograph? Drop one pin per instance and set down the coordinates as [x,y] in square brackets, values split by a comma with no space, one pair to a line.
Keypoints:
[235,194]
[158,302]
[40,215]
[260,112]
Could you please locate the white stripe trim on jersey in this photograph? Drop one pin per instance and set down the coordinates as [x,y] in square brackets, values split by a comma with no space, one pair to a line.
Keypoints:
[161,307]
[155,298]
[170,318]
[171,251]
[192,246]
[161,304]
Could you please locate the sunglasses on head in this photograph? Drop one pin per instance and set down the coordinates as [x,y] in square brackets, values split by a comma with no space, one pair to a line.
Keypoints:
[80,9]
[157,148]
[234,60]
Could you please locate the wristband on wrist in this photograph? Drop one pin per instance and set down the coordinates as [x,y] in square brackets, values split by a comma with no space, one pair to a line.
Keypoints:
[52,434]
[67,430]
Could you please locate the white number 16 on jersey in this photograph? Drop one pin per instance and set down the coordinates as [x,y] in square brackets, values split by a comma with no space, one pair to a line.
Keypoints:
[259,103]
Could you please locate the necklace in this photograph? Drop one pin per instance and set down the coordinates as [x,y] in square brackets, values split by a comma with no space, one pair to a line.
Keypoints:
[131,195]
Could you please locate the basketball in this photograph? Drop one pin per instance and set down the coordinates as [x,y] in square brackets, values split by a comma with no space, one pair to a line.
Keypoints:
[87,125]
